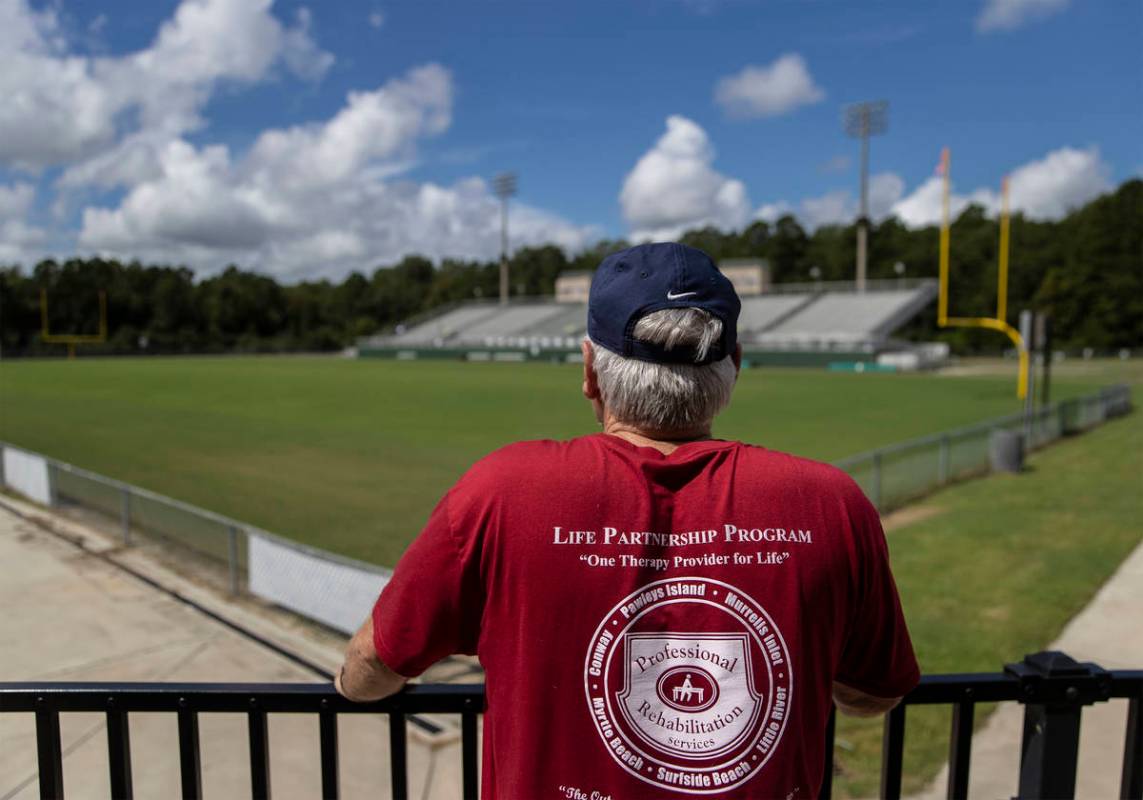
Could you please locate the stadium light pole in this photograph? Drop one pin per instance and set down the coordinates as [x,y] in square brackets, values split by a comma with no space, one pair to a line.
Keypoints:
[861,121]
[504,185]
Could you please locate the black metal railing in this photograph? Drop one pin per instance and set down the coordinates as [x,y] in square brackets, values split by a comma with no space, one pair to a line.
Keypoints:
[1052,687]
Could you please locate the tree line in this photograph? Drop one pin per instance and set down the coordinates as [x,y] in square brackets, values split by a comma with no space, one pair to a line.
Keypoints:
[1085,270]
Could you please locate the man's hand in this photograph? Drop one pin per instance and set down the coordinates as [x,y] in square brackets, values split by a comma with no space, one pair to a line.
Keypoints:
[363,677]
[857,703]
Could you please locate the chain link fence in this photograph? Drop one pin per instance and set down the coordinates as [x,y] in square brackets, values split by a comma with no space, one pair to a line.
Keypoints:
[332,589]
[892,476]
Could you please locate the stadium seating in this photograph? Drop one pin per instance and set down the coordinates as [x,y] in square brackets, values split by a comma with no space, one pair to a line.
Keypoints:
[439,329]
[826,317]
[510,321]
[761,312]
[847,318]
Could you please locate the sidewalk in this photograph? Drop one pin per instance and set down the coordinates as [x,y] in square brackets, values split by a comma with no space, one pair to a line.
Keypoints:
[71,616]
[1095,634]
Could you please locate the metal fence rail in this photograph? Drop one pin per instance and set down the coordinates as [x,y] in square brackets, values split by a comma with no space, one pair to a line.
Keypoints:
[1051,686]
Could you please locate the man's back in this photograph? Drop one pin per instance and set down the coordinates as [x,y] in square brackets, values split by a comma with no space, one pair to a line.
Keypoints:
[651,623]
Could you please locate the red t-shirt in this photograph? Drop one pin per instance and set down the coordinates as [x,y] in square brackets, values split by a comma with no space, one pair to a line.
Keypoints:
[652,625]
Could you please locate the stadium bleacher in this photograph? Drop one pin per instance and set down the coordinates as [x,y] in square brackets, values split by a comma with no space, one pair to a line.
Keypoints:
[762,312]
[440,328]
[811,318]
[846,318]
[511,321]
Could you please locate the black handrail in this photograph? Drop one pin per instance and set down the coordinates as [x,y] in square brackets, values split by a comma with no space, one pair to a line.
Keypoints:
[1051,686]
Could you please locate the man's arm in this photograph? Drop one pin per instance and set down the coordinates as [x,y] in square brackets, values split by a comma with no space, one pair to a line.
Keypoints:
[857,703]
[363,677]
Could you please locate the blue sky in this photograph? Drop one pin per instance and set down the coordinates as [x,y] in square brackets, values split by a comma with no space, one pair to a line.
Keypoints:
[180,163]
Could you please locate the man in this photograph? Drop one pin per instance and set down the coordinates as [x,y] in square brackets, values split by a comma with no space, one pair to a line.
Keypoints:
[658,613]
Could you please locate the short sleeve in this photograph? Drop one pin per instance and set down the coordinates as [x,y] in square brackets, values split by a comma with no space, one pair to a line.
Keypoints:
[431,607]
[878,656]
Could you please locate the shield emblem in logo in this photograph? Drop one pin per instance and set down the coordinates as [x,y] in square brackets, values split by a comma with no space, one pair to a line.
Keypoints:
[690,695]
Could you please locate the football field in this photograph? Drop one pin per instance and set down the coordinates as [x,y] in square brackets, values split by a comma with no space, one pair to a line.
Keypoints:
[352,455]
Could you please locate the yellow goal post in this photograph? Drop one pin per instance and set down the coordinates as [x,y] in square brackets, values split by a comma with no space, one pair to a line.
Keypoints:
[999,322]
[72,339]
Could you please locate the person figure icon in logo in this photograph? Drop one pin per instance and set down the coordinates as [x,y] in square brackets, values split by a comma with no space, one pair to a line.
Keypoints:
[685,690]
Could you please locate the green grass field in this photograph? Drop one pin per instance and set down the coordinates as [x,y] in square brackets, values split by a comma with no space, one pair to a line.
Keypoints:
[352,455]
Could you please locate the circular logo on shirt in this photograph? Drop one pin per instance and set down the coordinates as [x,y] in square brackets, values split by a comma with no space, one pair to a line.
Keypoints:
[689,685]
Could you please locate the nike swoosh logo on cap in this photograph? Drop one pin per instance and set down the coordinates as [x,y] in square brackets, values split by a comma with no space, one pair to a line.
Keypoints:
[672,296]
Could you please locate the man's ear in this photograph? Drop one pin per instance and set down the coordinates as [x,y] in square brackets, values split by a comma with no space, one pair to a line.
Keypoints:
[590,384]
[737,357]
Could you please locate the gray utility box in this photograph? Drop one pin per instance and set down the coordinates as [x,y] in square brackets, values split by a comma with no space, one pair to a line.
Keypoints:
[1006,450]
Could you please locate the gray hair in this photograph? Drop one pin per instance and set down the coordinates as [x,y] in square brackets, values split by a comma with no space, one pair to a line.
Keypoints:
[667,397]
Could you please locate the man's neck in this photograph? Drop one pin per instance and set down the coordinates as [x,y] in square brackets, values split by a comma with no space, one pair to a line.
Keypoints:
[665,442]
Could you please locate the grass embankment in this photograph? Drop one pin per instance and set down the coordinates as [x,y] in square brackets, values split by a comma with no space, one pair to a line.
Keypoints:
[352,455]
[998,569]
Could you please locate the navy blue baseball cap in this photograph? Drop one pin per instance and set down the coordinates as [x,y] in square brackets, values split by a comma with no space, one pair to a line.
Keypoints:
[632,283]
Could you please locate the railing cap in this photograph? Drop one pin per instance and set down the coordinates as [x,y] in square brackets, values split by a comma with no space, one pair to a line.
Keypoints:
[1051,677]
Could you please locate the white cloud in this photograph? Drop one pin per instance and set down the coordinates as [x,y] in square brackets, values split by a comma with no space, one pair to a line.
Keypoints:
[885,189]
[772,212]
[20,242]
[319,199]
[673,187]
[59,107]
[382,124]
[840,206]
[832,208]
[1001,15]
[376,19]
[770,90]
[1057,183]
[1043,189]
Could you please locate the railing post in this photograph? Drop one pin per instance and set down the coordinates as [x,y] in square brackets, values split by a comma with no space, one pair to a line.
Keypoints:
[1131,783]
[125,515]
[259,752]
[960,749]
[826,792]
[119,753]
[232,557]
[1054,688]
[49,754]
[470,783]
[892,752]
[327,732]
[876,480]
[190,759]
[398,757]
[943,460]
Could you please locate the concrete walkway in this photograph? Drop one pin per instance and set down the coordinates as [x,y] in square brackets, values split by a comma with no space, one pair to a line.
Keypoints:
[69,615]
[1109,631]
